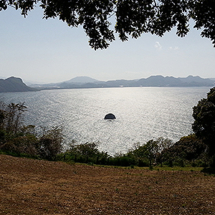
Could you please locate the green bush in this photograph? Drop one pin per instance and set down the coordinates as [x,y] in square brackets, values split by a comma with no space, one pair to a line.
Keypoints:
[50,143]
[199,163]
[85,153]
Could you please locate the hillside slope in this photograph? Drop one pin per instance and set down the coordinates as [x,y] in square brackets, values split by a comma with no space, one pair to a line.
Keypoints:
[13,84]
[33,187]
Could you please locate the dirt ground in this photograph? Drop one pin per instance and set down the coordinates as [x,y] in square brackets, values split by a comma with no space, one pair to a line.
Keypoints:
[30,186]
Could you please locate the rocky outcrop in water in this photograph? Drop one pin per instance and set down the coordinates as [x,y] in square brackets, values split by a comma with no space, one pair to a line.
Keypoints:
[110,116]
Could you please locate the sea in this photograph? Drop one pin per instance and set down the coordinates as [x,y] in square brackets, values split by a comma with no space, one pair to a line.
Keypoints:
[142,113]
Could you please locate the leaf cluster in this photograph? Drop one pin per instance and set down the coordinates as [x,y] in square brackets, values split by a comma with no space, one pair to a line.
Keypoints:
[132,17]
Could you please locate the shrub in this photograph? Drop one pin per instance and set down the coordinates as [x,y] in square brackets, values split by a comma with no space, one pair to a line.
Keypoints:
[85,153]
[50,143]
[187,148]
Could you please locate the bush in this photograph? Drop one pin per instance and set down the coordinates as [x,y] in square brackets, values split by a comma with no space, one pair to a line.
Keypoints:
[123,160]
[199,163]
[50,143]
[187,148]
[212,162]
[143,162]
[85,153]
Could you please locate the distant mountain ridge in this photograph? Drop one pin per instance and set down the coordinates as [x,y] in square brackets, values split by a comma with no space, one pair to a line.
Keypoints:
[152,81]
[13,84]
[81,80]
[169,81]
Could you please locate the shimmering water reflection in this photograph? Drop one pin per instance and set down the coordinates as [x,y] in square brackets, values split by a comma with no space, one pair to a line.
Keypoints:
[141,113]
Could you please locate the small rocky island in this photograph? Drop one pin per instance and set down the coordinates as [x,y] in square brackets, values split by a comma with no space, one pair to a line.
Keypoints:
[110,116]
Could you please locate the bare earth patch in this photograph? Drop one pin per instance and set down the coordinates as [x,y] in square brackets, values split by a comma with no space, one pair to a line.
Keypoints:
[30,186]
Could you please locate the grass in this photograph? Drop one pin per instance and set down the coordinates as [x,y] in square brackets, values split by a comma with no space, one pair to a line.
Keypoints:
[33,187]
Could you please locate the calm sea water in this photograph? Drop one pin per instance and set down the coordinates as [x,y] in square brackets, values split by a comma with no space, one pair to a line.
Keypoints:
[141,113]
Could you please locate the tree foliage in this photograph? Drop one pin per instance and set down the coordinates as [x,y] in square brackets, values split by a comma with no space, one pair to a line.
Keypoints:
[16,138]
[11,117]
[132,17]
[188,148]
[204,124]
[50,143]
[152,150]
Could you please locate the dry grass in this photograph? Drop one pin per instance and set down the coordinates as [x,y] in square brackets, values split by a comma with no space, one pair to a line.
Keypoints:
[40,187]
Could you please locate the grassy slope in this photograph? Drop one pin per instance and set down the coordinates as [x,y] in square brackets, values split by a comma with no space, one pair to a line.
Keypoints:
[30,186]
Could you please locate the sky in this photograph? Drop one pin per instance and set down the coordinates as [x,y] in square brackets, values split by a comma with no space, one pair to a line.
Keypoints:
[49,51]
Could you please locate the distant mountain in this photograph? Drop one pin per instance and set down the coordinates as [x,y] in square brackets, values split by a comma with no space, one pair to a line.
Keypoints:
[13,84]
[159,81]
[152,81]
[169,81]
[81,80]
[76,82]
[195,80]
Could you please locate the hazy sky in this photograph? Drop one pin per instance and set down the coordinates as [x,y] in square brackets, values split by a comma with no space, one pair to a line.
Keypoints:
[45,51]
